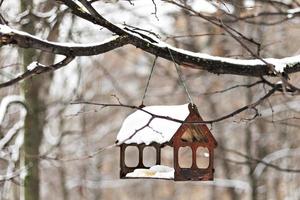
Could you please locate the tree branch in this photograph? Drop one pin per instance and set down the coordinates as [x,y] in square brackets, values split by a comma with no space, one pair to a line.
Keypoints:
[37,68]
[227,116]
[150,44]
[25,40]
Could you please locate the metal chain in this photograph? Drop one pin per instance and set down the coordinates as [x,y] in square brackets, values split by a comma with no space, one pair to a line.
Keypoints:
[151,72]
[181,78]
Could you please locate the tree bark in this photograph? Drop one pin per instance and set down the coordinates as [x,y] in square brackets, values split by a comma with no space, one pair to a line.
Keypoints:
[33,120]
[34,89]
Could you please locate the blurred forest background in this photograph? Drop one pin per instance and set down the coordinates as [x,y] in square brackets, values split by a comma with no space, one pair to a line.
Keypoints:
[257,158]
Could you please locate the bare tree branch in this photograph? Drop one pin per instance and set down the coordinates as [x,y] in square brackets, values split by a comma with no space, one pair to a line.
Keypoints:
[37,69]
[232,114]
[259,161]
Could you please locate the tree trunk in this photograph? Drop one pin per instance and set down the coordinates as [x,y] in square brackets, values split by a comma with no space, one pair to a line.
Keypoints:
[34,89]
[33,124]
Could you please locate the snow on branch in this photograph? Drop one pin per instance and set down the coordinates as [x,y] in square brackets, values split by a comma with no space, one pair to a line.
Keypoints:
[280,65]
[25,40]
[12,175]
[11,133]
[212,64]
[150,44]
[5,103]
[8,101]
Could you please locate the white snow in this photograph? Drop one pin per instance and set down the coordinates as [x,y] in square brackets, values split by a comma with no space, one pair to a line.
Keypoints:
[81,6]
[249,4]
[32,66]
[280,64]
[11,132]
[5,29]
[135,130]
[6,102]
[157,171]
[203,6]
[294,10]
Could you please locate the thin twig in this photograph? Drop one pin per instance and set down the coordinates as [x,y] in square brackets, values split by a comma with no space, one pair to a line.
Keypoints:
[39,69]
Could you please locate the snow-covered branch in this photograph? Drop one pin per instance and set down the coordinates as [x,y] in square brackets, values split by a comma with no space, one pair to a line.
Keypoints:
[5,103]
[150,44]
[25,40]
[8,101]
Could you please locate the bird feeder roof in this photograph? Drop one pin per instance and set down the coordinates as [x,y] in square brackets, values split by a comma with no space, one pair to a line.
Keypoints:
[138,127]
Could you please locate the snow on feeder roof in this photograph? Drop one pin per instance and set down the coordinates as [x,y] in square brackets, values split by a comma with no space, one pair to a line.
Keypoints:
[137,129]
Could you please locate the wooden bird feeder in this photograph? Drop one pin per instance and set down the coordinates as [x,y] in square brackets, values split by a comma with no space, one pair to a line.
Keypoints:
[141,130]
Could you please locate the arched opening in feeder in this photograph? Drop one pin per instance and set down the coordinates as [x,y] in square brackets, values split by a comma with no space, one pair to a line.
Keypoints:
[149,156]
[192,144]
[131,156]
[167,156]
[185,156]
[202,157]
